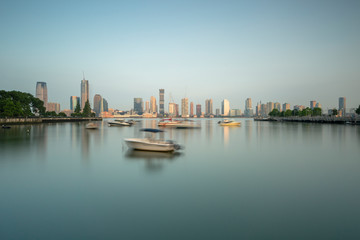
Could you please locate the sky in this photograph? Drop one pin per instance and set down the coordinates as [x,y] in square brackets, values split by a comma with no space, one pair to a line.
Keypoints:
[280,51]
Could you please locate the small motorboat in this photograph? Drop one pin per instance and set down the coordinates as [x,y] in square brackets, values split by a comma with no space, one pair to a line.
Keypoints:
[169,122]
[119,124]
[5,127]
[227,122]
[92,126]
[150,144]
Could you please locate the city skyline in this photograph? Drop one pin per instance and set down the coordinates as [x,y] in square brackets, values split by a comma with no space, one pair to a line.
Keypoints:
[270,51]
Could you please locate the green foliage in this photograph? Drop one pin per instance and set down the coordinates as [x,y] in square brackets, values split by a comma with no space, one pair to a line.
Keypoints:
[316,112]
[77,108]
[358,110]
[51,114]
[62,114]
[288,113]
[274,113]
[86,110]
[19,104]
[334,112]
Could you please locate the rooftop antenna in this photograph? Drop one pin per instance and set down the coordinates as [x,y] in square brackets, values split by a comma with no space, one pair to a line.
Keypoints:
[83,75]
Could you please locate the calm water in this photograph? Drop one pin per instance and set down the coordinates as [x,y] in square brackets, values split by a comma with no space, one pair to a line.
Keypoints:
[258,181]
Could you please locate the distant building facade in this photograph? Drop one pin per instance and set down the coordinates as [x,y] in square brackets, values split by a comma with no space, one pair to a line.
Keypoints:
[342,105]
[53,107]
[248,108]
[185,107]
[208,107]
[312,104]
[138,106]
[42,93]
[161,101]
[84,92]
[153,108]
[225,107]
[74,100]
[198,110]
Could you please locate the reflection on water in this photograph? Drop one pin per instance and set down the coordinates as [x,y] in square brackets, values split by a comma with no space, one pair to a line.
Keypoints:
[154,161]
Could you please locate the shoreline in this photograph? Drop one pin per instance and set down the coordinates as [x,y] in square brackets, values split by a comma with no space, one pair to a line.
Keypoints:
[321,119]
[18,121]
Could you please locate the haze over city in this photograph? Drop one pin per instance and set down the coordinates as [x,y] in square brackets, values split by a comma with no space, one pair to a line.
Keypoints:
[268,50]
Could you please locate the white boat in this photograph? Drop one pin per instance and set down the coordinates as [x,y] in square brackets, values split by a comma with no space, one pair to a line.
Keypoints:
[168,122]
[148,144]
[91,126]
[227,122]
[119,123]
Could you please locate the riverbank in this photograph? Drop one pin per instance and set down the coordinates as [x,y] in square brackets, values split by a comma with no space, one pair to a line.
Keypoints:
[12,121]
[318,119]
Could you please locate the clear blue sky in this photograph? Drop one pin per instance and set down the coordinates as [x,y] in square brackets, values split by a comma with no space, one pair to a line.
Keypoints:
[286,51]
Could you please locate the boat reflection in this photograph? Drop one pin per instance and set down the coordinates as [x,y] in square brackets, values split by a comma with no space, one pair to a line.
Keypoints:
[154,161]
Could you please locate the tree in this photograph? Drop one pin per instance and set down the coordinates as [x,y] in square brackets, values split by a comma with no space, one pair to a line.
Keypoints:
[317,112]
[288,113]
[77,108]
[87,109]
[62,114]
[274,113]
[19,104]
[334,112]
[358,110]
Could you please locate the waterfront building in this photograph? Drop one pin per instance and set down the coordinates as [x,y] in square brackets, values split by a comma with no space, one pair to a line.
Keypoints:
[286,106]
[84,92]
[342,105]
[258,109]
[277,106]
[172,109]
[176,110]
[225,107]
[318,105]
[105,105]
[138,106]
[41,92]
[185,107]
[299,107]
[74,100]
[312,104]
[198,110]
[217,112]
[191,109]
[248,108]
[263,110]
[208,107]
[53,107]
[270,107]
[98,104]
[153,108]
[67,112]
[161,101]
[147,107]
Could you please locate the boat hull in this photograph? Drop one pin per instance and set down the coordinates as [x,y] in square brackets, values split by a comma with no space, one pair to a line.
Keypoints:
[149,145]
[230,124]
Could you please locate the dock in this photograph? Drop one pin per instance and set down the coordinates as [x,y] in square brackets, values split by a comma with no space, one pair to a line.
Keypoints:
[35,120]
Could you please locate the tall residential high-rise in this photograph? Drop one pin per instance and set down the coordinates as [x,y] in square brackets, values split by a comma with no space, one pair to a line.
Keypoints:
[41,92]
[208,107]
[191,109]
[172,109]
[312,104]
[161,101]
[153,104]
[74,100]
[98,104]
[248,108]
[286,106]
[217,112]
[342,105]
[277,106]
[138,105]
[263,110]
[270,107]
[84,92]
[198,110]
[185,107]
[225,107]
[176,110]
[105,105]
[147,106]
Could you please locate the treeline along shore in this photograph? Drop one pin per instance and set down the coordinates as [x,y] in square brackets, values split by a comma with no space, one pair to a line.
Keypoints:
[36,120]
[314,119]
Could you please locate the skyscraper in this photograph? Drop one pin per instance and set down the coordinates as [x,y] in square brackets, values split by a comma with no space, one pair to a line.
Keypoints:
[270,107]
[248,108]
[277,105]
[312,104]
[138,105]
[198,110]
[185,107]
[147,107]
[286,106]
[98,104]
[172,109]
[84,92]
[153,104]
[191,109]
[41,92]
[161,101]
[74,100]
[342,105]
[225,107]
[208,107]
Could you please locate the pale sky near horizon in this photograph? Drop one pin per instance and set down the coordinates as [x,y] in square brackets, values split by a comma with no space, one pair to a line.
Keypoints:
[280,51]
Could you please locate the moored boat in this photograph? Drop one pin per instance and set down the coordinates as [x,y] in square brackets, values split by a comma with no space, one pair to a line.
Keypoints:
[227,122]
[168,122]
[91,126]
[148,144]
[119,123]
